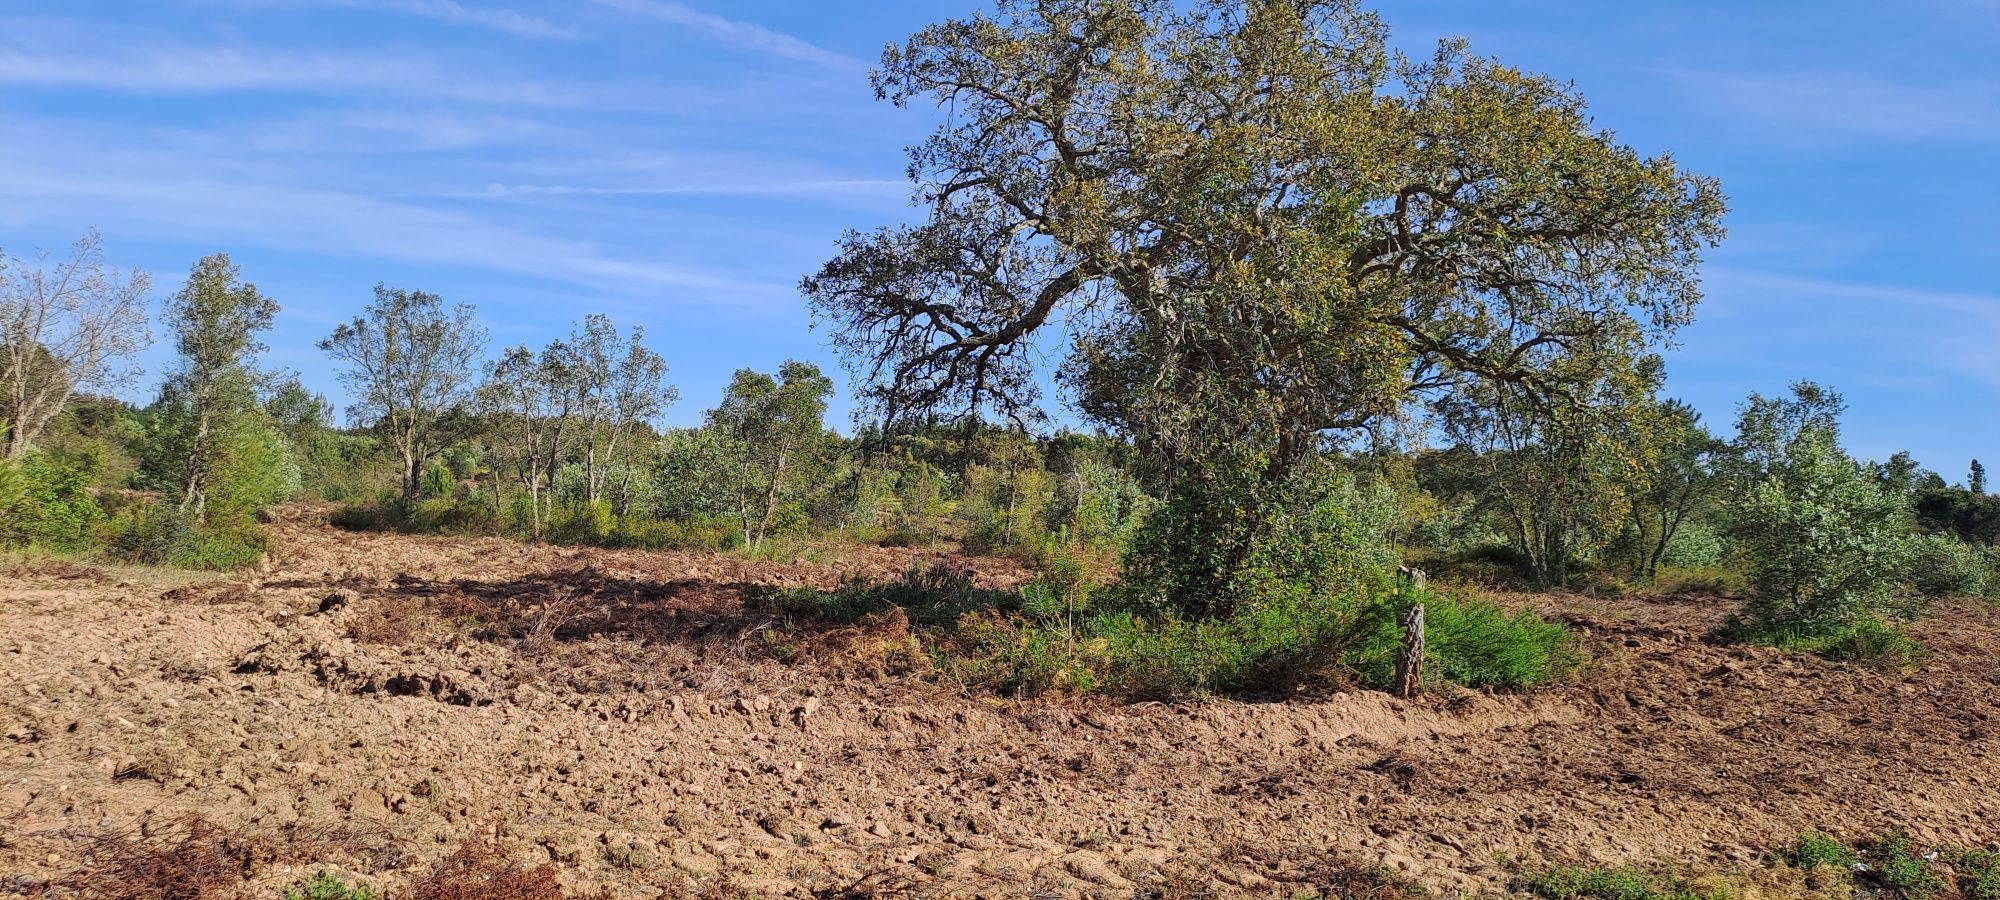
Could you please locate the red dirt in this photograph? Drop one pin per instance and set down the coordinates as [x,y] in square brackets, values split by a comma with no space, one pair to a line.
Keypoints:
[609,721]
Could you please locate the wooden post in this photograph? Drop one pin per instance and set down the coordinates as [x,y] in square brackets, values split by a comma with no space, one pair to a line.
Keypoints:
[1410,656]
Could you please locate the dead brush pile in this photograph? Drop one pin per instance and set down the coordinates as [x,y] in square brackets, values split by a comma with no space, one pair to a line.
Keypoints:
[195,859]
[482,869]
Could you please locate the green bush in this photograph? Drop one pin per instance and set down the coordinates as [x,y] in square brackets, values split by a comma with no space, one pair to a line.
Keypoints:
[1869,642]
[223,548]
[1695,545]
[1470,641]
[1624,883]
[462,517]
[1894,865]
[327,887]
[150,532]
[1815,850]
[1241,543]
[46,502]
[1268,648]
[1978,874]
[1825,545]
[1943,566]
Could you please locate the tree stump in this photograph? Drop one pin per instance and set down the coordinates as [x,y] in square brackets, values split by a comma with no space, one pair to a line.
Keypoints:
[1410,656]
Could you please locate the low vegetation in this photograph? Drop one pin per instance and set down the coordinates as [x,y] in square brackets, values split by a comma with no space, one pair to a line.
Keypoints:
[1250,485]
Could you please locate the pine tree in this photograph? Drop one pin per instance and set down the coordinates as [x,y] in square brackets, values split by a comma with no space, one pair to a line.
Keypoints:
[1977,481]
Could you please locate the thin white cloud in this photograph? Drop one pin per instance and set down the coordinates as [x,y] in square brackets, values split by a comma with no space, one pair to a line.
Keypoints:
[1809,105]
[1915,329]
[146,191]
[505,20]
[451,12]
[747,35]
[722,189]
[130,64]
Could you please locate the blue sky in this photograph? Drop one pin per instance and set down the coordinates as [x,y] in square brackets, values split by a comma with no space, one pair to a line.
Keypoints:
[682,164]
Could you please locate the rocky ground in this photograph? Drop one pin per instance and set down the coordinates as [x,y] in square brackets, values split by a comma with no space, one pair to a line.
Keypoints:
[623,724]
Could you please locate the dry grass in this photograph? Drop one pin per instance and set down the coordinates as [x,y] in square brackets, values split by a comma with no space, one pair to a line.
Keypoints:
[482,869]
[192,859]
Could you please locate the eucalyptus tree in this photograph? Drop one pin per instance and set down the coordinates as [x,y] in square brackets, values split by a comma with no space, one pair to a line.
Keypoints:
[65,326]
[530,399]
[621,386]
[412,364]
[769,423]
[1257,227]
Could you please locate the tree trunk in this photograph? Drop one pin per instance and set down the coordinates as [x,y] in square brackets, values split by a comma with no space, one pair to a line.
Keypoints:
[771,497]
[194,485]
[1410,656]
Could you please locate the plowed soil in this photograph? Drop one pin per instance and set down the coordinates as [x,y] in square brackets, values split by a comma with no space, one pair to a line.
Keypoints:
[615,713]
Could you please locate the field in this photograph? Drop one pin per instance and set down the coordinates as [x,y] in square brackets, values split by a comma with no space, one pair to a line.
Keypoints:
[621,716]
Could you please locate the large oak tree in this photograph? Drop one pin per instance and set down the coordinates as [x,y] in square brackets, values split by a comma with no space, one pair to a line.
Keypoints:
[1255,226]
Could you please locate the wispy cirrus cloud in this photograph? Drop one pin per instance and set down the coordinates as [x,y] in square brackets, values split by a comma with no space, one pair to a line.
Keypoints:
[774,188]
[1818,105]
[1881,331]
[498,19]
[156,67]
[735,32]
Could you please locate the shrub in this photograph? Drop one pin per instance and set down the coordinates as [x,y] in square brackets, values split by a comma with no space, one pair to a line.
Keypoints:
[1815,850]
[463,517]
[46,502]
[1978,874]
[1894,865]
[1268,648]
[1471,641]
[150,532]
[1869,642]
[222,548]
[1240,543]
[327,887]
[1825,544]
[1695,545]
[584,524]
[1943,566]
[1624,883]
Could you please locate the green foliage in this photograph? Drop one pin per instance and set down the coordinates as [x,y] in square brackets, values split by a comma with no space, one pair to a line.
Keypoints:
[1471,641]
[325,886]
[690,475]
[1977,873]
[1695,545]
[771,425]
[1097,504]
[150,532]
[1815,849]
[45,501]
[1624,883]
[1059,634]
[585,524]
[1868,641]
[1941,565]
[1895,865]
[438,482]
[1242,542]
[1973,518]
[1825,545]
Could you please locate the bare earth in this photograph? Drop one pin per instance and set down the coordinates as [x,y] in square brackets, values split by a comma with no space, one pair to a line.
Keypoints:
[634,739]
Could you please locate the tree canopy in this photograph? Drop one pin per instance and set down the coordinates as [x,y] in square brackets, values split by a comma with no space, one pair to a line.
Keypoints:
[1255,223]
